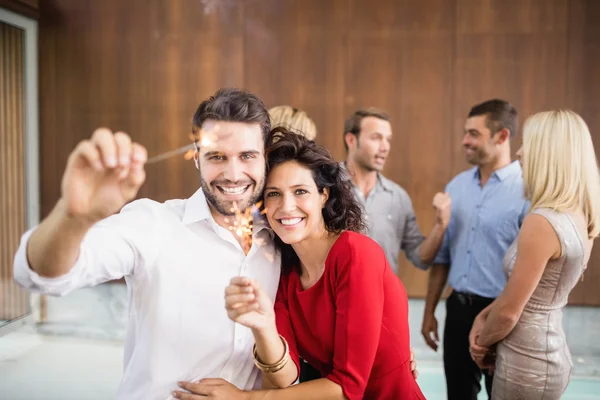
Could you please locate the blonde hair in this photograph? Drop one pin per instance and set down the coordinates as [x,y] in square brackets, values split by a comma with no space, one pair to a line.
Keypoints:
[560,170]
[294,120]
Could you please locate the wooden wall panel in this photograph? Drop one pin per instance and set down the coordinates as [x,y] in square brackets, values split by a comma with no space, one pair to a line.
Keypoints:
[399,54]
[296,53]
[143,66]
[13,300]
[27,8]
[138,66]
[583,96]
[510,49]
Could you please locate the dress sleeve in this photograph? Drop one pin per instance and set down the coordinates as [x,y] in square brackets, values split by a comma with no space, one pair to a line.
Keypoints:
[283,321]
[359,300]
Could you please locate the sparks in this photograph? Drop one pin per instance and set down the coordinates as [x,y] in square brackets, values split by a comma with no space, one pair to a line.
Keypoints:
[242,225]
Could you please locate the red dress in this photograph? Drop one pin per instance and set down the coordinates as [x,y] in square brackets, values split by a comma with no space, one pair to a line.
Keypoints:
[352,325]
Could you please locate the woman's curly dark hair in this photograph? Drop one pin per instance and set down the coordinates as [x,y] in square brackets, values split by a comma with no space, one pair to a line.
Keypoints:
[342,212]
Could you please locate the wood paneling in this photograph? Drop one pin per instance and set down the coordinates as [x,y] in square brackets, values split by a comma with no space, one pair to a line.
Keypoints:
[583,96]
[296,52]
[13,300]
[400,54]
[143,66]
[28,8]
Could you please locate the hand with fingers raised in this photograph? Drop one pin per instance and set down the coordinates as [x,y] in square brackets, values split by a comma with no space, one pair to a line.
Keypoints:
[102,175]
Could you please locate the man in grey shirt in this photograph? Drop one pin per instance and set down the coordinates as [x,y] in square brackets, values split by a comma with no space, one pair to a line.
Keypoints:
[390,215]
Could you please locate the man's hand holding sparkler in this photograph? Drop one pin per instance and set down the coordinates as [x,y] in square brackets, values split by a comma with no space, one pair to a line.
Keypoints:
[102,175]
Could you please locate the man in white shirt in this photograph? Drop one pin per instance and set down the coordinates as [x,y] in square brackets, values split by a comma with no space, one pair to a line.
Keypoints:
[177,257]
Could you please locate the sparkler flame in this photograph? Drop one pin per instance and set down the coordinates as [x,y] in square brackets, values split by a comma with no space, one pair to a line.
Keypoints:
[243,223]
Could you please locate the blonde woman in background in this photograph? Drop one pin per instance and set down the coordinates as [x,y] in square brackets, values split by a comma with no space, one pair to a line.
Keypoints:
[294,120]
[548,258]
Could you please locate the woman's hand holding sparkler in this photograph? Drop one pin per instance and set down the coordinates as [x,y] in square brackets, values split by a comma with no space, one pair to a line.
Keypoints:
[102,175]
[248,304]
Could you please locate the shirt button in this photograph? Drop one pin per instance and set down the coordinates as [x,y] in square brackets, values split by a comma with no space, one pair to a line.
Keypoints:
[468,251]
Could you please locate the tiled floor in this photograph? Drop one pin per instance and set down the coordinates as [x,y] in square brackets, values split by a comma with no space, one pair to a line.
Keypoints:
[40,367]
[79,356]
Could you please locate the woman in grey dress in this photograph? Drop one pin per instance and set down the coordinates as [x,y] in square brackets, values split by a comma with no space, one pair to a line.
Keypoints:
[520,335]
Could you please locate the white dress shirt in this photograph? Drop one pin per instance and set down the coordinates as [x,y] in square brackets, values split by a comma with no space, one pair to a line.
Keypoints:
[177,262]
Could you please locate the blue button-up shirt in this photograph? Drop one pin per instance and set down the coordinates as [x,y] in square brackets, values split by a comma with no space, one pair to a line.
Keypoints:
[484,222]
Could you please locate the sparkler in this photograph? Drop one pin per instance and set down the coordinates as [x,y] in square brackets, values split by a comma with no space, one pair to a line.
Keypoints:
[243,224]
[187,149]
[206,137]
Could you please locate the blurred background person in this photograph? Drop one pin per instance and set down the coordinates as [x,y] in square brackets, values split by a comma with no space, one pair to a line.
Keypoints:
[294,120]
[389,211]
[488,208]
[544,263]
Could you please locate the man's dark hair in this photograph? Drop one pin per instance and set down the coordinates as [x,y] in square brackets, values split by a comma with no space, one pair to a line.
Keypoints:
[500,114]
[233,105]
[352,124]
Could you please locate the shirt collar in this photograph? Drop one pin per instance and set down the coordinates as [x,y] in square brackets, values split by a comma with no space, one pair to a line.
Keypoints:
[260,222]
[512,169]
[382,181]
[197,209]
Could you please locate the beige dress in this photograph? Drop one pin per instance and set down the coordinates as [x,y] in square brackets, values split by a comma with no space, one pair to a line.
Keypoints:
[533,361]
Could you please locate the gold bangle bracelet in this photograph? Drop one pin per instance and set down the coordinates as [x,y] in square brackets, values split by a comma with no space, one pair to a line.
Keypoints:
[272,368]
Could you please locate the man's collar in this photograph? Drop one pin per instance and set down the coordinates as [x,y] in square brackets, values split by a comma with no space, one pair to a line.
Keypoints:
[514,168]
[196,208]
[260,222]
[381,180]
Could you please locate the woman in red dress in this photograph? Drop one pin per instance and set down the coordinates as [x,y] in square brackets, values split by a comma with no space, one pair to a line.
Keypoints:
[339,304]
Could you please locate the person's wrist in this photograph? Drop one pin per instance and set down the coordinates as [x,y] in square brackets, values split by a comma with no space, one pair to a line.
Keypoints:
[441,224]
[267,331]
[257,394]
[428,312]
[70,219]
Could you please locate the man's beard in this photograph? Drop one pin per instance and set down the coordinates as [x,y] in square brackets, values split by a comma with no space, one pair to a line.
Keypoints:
[478,157]
[366,165]
[225,207]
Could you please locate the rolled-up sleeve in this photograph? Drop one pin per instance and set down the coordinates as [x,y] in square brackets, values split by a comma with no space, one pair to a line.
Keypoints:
[112,249]
[443,255]
[412,238]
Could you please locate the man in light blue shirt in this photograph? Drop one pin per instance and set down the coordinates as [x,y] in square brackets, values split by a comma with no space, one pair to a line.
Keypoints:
[488,207]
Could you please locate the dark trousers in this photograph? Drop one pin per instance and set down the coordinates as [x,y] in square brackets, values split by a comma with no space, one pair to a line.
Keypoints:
[308,372]
[463,376]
